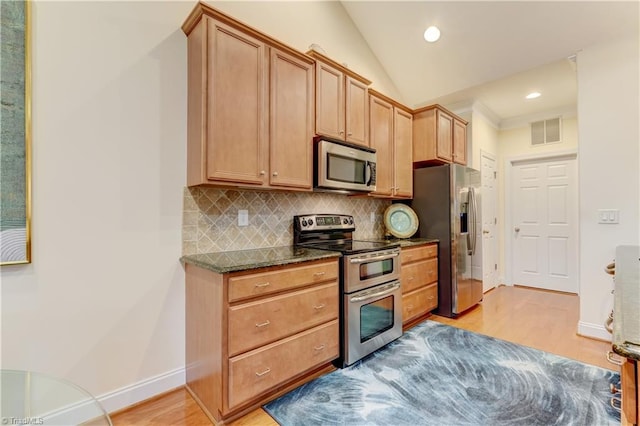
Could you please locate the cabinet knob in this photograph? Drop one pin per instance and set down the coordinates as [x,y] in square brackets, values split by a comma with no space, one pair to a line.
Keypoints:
[341,132]
[349,134]
[275,173]
[262,173]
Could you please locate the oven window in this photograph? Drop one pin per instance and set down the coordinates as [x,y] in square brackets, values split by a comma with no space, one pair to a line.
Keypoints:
[345,169]
[375,269]
[375,318]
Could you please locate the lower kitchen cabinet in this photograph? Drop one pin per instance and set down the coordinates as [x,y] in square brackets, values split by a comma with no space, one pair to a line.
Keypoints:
[630,400]
[253,335]
[419,277]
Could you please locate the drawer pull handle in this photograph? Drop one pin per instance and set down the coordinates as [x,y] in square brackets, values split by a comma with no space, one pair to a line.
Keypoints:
[319,274]
[320,306]
[264,324]
[263,284]
[612,360]
[430,297]
[319,348]
[409,307]
[267,371]
[410,278]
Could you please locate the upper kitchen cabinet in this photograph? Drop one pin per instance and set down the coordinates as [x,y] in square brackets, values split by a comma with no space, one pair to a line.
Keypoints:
[390,135]
[439,136]
[342,102]
[250,106]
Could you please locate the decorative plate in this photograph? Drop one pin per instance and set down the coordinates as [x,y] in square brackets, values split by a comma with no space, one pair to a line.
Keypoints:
[400,220]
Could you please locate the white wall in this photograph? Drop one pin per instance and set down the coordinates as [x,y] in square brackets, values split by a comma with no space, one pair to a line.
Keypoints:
[608,97]
[484,136]
[302,23]
[102,304]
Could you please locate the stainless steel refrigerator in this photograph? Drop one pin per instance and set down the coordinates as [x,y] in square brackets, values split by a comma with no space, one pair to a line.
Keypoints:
[447,201]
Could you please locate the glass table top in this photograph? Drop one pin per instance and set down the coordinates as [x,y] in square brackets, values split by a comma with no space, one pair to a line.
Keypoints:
[29,398]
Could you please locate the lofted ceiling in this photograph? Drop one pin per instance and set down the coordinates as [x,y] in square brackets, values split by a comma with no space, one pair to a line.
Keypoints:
[489,53]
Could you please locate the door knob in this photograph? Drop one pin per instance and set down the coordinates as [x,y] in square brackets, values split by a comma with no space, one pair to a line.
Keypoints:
[517,229]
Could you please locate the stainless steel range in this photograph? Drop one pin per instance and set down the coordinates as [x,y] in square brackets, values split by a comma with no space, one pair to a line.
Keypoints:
[371,308]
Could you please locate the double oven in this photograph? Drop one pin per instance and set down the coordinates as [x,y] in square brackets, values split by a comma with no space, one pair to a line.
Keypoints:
[371,297]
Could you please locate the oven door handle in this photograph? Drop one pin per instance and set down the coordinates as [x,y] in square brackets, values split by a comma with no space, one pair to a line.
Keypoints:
[384,292]
[373,258]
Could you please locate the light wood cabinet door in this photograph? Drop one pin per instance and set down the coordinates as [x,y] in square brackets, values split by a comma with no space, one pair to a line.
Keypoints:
[444,137]
[357,112]
[291,121]
[630,401]
[266,320]
[419,302]
[459,142]
[381,139]
[414,254]
[419,277]
[264,368]
[439,137]
[418,274]
[403,158]
[237,108]
[257,284]
[330,101]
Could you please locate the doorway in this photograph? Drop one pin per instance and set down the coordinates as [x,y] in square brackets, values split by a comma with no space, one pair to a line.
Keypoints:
[541,231]
[489,221]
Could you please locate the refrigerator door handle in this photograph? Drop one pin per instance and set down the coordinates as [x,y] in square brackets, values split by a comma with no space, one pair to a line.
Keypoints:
[471,236]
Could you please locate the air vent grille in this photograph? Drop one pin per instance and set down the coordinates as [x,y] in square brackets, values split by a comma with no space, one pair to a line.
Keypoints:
[546,131]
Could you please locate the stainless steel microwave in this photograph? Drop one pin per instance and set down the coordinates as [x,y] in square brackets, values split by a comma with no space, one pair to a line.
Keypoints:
[340,166]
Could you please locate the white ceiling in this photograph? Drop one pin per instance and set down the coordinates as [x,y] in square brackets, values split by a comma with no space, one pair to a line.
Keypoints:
[492,53]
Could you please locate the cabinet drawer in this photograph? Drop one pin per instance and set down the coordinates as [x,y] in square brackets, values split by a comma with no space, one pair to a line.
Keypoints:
[419,302]
[629,391]
[418,274]
[262,283]
[413,254]
[266,320]
[257,371]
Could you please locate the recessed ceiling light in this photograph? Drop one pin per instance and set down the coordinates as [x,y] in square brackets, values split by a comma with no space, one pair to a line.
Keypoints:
[533,95]
[432,34]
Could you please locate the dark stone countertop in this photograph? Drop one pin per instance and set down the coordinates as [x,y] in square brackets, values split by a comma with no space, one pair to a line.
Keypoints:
[626,303]
[242,260]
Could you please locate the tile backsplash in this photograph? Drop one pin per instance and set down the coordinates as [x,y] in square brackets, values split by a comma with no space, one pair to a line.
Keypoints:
[210,217]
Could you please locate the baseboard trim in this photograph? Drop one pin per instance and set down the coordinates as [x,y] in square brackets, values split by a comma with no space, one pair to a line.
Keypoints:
[137,392]
[595,331]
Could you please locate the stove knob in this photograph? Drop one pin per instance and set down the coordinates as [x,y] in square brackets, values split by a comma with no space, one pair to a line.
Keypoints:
[345,221]
[351,220]
[310,222]
[304,222]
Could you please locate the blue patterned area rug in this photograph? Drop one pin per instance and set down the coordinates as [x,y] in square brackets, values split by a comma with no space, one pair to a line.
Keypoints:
[441,375]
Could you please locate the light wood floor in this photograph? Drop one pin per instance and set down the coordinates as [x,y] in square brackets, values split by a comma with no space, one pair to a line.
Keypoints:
[539,319]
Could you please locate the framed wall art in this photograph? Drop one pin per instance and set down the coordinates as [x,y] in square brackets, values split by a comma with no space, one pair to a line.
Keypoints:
[15,133]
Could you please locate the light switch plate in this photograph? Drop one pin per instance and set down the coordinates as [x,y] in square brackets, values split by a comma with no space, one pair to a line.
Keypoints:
[243,217]
[609,216]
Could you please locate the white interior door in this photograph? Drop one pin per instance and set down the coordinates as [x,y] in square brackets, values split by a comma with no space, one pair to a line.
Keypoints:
[544,234]
[489,222]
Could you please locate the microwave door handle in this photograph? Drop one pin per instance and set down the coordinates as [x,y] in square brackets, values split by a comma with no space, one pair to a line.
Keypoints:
[367,173]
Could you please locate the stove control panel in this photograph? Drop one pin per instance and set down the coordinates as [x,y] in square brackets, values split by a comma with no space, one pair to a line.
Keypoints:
[323,222]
